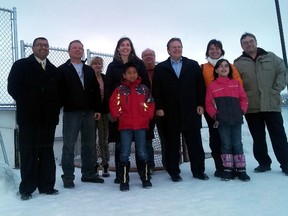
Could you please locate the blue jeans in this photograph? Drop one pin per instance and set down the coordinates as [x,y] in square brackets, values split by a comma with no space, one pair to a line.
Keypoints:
[231,139]
[73,123]
[140,144]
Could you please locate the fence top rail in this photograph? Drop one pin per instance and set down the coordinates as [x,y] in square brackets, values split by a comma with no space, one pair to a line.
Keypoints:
[7,10]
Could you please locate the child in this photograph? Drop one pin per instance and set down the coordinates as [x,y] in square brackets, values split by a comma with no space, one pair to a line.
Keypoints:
[132,104]
[226,102]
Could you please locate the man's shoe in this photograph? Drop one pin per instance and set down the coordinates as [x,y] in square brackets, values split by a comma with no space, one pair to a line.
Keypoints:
[26,196]
[93,180]
[285,171]
[218,173]
[262,168]
[50,192]
[201,176]
[176,178]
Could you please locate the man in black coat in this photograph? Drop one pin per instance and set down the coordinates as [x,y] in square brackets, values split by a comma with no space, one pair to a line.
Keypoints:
[35,85]
[179,93]
[82,106]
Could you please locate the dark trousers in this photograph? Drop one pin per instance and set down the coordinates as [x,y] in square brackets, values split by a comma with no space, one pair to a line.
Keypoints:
[274,123]
[214,142]
[37,166]
[194,148]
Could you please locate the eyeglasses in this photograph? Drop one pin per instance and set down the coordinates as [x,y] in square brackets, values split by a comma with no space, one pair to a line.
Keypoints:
[248,42]
[42,45]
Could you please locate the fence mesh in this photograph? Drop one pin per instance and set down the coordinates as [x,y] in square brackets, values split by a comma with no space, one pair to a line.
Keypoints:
[6,52]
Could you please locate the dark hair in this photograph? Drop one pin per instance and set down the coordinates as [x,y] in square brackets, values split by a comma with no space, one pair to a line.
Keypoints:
[74,41]
[219,62]
[128,65]
[38,38]
[172,40]
[216,43]
[132,54]
[247,34]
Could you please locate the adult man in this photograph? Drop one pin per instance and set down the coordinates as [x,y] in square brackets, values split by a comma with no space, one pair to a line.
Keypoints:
[179,93]
[81,108]
[263,75]
[34,83]
[148,58]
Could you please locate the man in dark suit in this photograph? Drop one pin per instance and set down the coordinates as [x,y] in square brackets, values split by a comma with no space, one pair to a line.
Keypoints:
[179,93]
[35,85]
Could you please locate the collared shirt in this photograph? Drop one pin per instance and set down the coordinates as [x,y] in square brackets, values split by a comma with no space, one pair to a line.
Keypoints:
[42,62]
[177,65]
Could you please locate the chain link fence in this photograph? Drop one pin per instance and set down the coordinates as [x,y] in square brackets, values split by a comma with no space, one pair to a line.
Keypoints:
[8,50]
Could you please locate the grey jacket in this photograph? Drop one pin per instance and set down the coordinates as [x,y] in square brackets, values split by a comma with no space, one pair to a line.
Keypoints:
[263,80]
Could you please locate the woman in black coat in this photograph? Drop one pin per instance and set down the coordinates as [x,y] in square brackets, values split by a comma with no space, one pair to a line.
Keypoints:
[124,53]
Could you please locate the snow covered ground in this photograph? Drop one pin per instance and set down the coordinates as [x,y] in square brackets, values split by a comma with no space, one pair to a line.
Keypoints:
[265,195]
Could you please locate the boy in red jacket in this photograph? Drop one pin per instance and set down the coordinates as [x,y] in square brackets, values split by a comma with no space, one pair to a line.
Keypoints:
[132,105]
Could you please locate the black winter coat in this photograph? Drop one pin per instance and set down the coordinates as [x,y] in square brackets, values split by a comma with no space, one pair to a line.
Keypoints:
[37,92]
[77,98]
[179,97]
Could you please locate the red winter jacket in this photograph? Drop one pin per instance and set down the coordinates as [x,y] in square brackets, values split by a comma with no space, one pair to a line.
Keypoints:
[226,101]
[133,105]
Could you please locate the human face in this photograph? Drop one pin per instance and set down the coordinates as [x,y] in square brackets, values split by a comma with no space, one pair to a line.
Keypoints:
[131,74]
[76,51]
[148,57]
[214,52]
[223,69]
[125,48]
[249,45]
[41,49]
[175,50]
[97,66]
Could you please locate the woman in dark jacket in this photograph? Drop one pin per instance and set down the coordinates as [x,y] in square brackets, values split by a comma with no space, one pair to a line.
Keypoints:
[124,53]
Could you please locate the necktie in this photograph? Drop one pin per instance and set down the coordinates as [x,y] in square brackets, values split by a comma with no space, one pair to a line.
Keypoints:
[42,64]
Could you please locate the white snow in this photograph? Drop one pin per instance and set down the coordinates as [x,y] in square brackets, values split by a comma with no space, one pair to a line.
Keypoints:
[265,194]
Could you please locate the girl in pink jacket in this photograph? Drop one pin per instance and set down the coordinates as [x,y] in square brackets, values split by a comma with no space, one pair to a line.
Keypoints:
[226,102]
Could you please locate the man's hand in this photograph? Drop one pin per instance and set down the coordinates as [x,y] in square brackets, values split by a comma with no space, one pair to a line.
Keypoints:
[97,116]
[160,112]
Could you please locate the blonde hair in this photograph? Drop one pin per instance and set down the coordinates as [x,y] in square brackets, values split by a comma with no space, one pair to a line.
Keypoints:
[96,59]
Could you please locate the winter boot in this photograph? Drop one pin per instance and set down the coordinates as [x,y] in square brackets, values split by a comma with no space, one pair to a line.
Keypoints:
[105,172]
[240,165]
[145,175]
[124,176]
[228,165]
[226,174]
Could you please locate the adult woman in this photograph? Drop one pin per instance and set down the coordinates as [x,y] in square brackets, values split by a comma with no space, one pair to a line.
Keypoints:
[102,125]
[124,53]
[215,52]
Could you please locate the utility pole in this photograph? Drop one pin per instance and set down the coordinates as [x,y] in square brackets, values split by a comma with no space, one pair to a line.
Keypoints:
[281,32]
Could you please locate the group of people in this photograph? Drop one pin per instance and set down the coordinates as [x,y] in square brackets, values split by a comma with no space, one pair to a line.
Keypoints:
[133,97]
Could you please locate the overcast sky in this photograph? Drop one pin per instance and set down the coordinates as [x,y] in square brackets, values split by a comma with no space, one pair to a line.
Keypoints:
[151,23]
